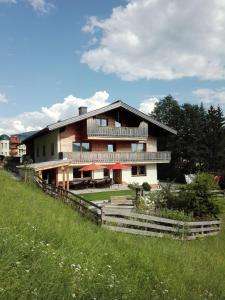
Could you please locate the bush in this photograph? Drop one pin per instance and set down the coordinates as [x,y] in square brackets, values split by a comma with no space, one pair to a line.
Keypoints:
[222,182]
[146,186]
[207,179]
[193,199]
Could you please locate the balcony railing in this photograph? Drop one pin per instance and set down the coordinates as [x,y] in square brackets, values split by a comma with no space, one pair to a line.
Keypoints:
[140,132]
[112,157]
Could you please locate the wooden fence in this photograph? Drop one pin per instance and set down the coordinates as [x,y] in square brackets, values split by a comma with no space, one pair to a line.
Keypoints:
[77,202]
[125,220]
[141,224]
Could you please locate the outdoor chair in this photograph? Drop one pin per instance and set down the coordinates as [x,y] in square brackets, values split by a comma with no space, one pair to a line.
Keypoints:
[77,185]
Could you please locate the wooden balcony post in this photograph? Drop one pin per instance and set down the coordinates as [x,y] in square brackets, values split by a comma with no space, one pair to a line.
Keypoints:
[67,178]
[63,178]
[56,178]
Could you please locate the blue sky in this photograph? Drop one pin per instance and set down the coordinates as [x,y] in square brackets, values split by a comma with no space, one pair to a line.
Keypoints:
[140,51]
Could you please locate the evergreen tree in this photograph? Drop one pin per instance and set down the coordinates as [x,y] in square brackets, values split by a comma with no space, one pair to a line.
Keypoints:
[215,139]
[200,141]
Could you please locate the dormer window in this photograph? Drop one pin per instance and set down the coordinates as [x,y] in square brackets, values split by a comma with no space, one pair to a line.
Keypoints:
[117,124]
[102,122]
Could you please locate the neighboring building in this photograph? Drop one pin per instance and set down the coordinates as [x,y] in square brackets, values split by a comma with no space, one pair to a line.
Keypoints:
[12,145]
[114,133]
[21,150]
[14,142]
[4,145]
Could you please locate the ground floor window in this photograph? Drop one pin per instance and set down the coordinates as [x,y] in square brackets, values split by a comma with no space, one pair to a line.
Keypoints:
[106,173]
[86,174]
[138,170]
[79,174]
[76,173]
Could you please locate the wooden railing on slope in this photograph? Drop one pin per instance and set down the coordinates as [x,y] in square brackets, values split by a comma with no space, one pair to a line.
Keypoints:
[79,203]
[141,224]
[122,220]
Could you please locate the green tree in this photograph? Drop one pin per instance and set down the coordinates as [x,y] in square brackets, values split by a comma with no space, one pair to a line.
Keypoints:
[215,139]
[200,141]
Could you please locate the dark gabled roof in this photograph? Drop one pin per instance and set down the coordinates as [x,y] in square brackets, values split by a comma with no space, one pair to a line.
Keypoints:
[4,137]
[104,109]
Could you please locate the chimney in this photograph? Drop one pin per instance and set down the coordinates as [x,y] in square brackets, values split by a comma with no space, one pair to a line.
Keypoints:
[82,110]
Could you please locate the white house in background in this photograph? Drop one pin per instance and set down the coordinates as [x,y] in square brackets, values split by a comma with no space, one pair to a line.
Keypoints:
[4,145]
[114,133]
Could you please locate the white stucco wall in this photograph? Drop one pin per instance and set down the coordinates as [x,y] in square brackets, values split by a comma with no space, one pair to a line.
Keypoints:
[4,147]
[151,144]
[151,175]
[46,140]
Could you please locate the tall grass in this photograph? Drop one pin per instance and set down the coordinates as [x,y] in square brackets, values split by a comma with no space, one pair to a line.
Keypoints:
[47,251]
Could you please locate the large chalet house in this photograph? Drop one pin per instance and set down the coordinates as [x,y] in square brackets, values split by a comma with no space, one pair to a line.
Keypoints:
[111,134]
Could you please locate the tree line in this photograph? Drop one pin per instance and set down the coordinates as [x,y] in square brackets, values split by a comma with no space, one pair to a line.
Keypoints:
[199,145]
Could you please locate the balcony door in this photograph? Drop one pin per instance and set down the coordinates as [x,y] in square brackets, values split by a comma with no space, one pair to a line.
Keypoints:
[111,147]
[117,176]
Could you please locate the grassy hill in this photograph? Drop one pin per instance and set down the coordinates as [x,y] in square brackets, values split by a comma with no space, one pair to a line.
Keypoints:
[47,251]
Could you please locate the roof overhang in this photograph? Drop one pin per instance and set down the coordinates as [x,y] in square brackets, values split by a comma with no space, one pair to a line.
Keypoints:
[47,165]
[114,105]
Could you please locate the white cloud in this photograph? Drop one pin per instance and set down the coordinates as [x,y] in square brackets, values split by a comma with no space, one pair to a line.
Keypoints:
[148,105]
[158,39]
[41,6]
[36,120]
[3,98]
[211,96]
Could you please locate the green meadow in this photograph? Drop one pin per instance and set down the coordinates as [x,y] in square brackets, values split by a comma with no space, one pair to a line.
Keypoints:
[48,251]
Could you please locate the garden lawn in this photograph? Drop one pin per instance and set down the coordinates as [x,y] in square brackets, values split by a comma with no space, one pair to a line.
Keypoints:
[106,195]
[47,251]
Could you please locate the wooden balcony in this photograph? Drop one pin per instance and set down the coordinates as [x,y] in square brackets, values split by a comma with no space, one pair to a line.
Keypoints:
[134,133]
[113,157]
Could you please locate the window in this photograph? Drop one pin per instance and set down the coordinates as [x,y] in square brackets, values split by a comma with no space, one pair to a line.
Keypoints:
[76,173]
[138,170]
[86,174]
[84,147]
[111,148]
[117,124]
[106,173]
[37,151]
[79,174]
[138,147]
[102,122]
[43,150]
[52,149]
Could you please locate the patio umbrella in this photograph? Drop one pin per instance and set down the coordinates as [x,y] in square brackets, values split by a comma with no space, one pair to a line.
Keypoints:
[117,166]
[92,167]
